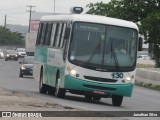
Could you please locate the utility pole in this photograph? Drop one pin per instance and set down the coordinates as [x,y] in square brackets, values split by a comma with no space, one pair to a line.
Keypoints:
[30,13]
[54,6]
[5,21]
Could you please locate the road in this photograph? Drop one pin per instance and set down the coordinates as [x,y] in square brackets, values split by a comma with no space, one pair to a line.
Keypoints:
[142,100]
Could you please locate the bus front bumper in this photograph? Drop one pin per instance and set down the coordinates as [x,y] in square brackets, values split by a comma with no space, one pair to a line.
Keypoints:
[98,88]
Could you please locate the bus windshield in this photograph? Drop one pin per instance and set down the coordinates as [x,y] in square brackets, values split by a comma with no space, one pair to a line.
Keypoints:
[103,46]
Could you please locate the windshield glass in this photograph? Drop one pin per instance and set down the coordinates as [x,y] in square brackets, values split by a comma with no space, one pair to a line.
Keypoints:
[104,46]
[21,50]
[28,60]
[11,52]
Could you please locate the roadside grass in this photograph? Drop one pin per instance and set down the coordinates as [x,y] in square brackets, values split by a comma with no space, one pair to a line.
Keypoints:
[145,66]
[148,85]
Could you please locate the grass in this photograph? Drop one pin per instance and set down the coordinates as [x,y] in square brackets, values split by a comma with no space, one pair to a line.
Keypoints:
[145,66]
[148,85]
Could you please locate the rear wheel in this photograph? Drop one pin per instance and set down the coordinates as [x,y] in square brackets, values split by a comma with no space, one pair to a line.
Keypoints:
[42,87]
[59,92]
[117,100]
[51,90]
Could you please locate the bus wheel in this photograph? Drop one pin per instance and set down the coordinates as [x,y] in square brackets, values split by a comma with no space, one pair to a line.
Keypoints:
[117,100]
[42,87]
[97,98]
[59,92]
[51,90]
[88,97]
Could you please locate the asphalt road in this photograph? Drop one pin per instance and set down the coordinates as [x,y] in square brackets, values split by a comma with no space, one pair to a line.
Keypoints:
[142,99]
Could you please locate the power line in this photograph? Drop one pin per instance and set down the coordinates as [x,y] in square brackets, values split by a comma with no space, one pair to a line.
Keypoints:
[30,12]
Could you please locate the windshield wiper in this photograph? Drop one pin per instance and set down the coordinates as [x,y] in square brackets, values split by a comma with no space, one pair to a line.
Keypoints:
[114,56]
[94,52]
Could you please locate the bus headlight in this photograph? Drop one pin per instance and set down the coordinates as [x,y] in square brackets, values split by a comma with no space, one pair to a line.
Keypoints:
[128,79]
[74,73]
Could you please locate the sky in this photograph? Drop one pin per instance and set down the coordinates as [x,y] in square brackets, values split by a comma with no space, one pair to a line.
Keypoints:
[16,10]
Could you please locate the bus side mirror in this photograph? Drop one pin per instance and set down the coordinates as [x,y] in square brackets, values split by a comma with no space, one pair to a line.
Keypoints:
[140,44]
[67,33]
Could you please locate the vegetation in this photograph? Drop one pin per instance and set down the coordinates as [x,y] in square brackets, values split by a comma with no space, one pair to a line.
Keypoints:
[10,38]
[148,85]
[146,13]
[145,66]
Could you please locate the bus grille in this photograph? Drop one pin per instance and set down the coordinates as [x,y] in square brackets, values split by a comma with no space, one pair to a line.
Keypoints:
[98,87]
[100,79]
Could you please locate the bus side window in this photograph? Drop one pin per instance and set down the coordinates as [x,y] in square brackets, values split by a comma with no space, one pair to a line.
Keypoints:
[62,38]
[53,34]
[48,34]
[43,35]
[65,47]
[60,35]
[39,34]
[56,35]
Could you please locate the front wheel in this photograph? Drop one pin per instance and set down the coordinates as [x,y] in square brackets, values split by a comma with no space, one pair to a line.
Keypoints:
[42,87]
[88,97]
[117,100]
[20,75]
[59,92]
[97,98]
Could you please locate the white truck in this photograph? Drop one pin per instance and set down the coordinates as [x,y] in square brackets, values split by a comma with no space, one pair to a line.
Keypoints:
[30,42]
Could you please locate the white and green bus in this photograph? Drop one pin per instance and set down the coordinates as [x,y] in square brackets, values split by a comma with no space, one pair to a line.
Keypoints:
[77,53]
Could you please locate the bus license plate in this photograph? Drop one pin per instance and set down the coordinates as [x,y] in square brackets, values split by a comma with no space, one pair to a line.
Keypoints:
[99,92]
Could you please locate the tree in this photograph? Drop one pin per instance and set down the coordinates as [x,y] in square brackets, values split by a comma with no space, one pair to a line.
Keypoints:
[145,13]
[10,38]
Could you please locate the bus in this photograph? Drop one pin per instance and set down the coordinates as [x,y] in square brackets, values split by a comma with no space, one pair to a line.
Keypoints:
[77,53]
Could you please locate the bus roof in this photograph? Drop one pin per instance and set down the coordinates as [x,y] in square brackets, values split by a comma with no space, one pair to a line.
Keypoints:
[91,19]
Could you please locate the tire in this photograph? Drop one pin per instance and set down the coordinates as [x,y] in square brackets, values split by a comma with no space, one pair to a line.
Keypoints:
[20,75]
[88,97]
[97,98]
[117,100]
[59,92]
[51,90]
[42,87]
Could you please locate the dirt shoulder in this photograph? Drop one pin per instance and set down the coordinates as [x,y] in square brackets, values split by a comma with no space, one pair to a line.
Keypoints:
[11,100]
[14,101]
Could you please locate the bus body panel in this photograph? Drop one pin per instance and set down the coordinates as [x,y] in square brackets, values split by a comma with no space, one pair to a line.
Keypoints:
[77,83]
[90,18]
[87,86]
[45,58]
[51,60]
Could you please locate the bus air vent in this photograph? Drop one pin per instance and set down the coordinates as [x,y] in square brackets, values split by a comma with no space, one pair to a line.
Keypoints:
[100,79]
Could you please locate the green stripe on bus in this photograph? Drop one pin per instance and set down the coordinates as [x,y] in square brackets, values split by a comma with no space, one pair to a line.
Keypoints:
[78,84]
[41,54]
